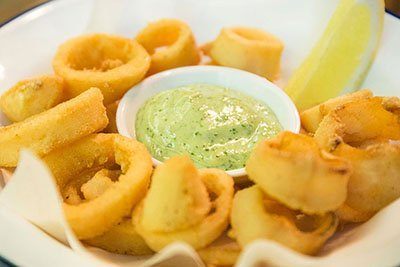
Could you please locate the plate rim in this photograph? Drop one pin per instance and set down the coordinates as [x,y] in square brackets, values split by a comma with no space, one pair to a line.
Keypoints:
[49,2]
[20,14]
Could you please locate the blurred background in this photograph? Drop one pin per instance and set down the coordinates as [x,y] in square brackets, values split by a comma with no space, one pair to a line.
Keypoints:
[10,8]
[393,6]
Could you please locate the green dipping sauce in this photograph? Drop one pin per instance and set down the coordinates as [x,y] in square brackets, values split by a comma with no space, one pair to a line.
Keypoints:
[215,126]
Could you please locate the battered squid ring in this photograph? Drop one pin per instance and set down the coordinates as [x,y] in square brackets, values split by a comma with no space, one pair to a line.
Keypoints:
[122,239]
[184,187]
[292,169]
[312,117]
[32,96]
[171,44]
[254,216]
[222,252]
[112,63]
[248,49]
[361,132]
[358,122]
[91,218]
[41,133]
[375,182]
[348,214]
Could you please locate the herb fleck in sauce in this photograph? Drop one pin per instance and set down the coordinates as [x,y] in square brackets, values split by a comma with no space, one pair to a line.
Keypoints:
[215,126]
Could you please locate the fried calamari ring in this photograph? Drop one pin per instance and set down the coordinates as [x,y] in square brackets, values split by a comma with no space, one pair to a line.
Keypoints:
[71,191]
[171,44]
[122,239]
[254,216]
[99,183]
[361,132]
[248,49]
[292,169]
[32,96]
[347,214]
[357,122]
[54,128]
[112,63]
[375,182]
[94,217]
[391,104]
[312,117]
[222,252]
[184,204]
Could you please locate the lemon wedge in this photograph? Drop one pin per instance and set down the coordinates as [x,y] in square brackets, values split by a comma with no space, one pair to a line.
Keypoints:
[341,58]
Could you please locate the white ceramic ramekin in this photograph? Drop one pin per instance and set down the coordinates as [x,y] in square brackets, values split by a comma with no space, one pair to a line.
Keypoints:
[242,81]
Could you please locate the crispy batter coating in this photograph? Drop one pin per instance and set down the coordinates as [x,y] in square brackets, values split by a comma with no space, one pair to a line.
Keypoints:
[113,64]
[122,239]
[222,252]
[99,183]
[293,170]
[91,218]
[350,215]
[312,117]
[32,96]
[255,216]
[248,49]
[171,44]
[364,133]
[357,122]
[375,181]
[54,128]
[182,197]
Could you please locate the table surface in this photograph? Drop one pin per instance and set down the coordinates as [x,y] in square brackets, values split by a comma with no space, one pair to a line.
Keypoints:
[11,8]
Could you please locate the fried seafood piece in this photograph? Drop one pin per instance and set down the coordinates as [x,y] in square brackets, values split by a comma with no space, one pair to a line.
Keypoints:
[122,239]
[256,216]
[358,122]
[171,44]
[365,133]
[350,215]
[391,104]
[292,169]
[375,182]
[108,203]
[184,204]
[248,49]
[222,252]
[99,183]
[32,96]
[54,128]
[312,117]
[89,184]
[113,64]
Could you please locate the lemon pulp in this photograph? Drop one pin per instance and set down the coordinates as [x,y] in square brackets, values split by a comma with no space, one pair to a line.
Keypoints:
[341,58]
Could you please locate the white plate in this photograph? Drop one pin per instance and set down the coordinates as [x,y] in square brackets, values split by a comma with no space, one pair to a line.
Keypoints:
[28,43]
